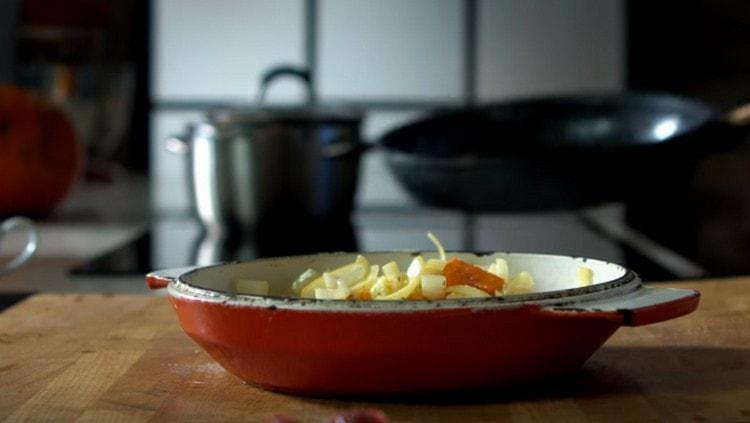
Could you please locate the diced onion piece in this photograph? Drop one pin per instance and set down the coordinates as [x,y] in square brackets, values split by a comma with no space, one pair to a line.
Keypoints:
[438,245]
[350,274]
[392,272]
[402,293]
[330,280]
[522,283]
[416,267]
[251,287]
[366,284]
[499,268]
[464,291]
[306,277]
[381,287]
[340,293]
[585,276]
[434,266]
[354,273]
[433,286]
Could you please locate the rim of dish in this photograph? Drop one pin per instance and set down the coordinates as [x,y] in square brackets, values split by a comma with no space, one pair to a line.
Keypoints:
[628,282]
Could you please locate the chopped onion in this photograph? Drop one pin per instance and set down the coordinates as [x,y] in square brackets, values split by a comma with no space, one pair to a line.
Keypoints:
[585,276]
[340,293]
[438,245]
[465,291]
[306,277]
[416,267]
[522,283]
[433,286]
[402,293]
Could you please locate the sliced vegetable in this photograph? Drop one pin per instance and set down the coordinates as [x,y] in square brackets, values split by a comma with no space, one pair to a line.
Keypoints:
[434,266]
[402,293]
[392,272]
[381,287]
[349,274]
[522,283]
[438,245]
[416,267]
[499,268]
[459,272]
[465,291]
[433,286]
[364,286]
[423,280]
[340,293]
[306,277]
[332,281]
[585,276]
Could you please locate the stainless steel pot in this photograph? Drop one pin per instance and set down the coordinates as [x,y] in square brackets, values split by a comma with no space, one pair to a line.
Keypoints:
[248,166]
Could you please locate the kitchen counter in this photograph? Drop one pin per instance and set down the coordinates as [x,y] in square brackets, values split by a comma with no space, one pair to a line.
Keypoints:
[93,357]
[95,217]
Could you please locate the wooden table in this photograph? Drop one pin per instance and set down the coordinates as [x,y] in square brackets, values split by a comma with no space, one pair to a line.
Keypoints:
[124,358]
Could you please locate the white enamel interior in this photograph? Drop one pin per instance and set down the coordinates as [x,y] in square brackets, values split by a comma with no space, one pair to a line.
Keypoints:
[551,273]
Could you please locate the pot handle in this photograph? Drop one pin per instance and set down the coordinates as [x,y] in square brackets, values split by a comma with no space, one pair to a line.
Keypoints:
[177,144]
[343,148]
[161,278]
[286,70]
[19,223]
[739,116]
[643,306]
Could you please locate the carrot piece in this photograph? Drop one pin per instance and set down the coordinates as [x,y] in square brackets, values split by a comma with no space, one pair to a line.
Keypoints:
[416,296]
[365,295]
[459,272]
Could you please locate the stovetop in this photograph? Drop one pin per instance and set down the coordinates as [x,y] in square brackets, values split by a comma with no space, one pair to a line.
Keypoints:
[181,241]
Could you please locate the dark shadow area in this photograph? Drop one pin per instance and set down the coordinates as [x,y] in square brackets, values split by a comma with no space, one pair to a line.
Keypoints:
[611,371]
[9,299]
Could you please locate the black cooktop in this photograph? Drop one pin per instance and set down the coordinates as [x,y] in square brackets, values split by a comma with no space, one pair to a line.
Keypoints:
[176,242]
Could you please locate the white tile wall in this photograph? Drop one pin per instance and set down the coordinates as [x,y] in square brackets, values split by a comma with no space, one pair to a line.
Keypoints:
[373,50]
[538,47]
[390,49]
[216,50]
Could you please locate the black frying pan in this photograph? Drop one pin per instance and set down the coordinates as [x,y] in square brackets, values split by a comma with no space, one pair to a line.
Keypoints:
[556,153]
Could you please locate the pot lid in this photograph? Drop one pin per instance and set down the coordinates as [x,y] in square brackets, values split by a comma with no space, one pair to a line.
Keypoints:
[264,113]
[285,114]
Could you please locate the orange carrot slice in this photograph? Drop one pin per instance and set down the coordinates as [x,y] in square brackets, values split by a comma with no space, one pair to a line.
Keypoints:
[459,272]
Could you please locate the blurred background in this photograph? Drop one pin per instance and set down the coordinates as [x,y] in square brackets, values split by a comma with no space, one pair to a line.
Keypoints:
[129,74]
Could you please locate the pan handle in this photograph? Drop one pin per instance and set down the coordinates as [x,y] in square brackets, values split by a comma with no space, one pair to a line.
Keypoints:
[161,278]
[740,116]
[643,306]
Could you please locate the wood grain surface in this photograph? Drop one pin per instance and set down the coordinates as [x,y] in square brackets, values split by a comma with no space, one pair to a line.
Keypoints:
[124,358]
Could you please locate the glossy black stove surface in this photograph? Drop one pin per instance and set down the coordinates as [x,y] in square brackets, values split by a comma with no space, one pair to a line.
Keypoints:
[179,242]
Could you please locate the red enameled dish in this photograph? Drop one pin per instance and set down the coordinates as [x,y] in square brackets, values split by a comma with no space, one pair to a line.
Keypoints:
[345,347]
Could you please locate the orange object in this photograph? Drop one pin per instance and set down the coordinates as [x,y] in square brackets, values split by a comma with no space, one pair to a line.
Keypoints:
[40,156]
[365,295]
[459,272]
[417,296]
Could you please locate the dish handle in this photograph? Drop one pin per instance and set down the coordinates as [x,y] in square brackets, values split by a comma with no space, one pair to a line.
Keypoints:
[643,306]
[161,278]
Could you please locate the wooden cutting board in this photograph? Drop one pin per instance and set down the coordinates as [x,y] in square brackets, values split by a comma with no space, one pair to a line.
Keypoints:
[125,358]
